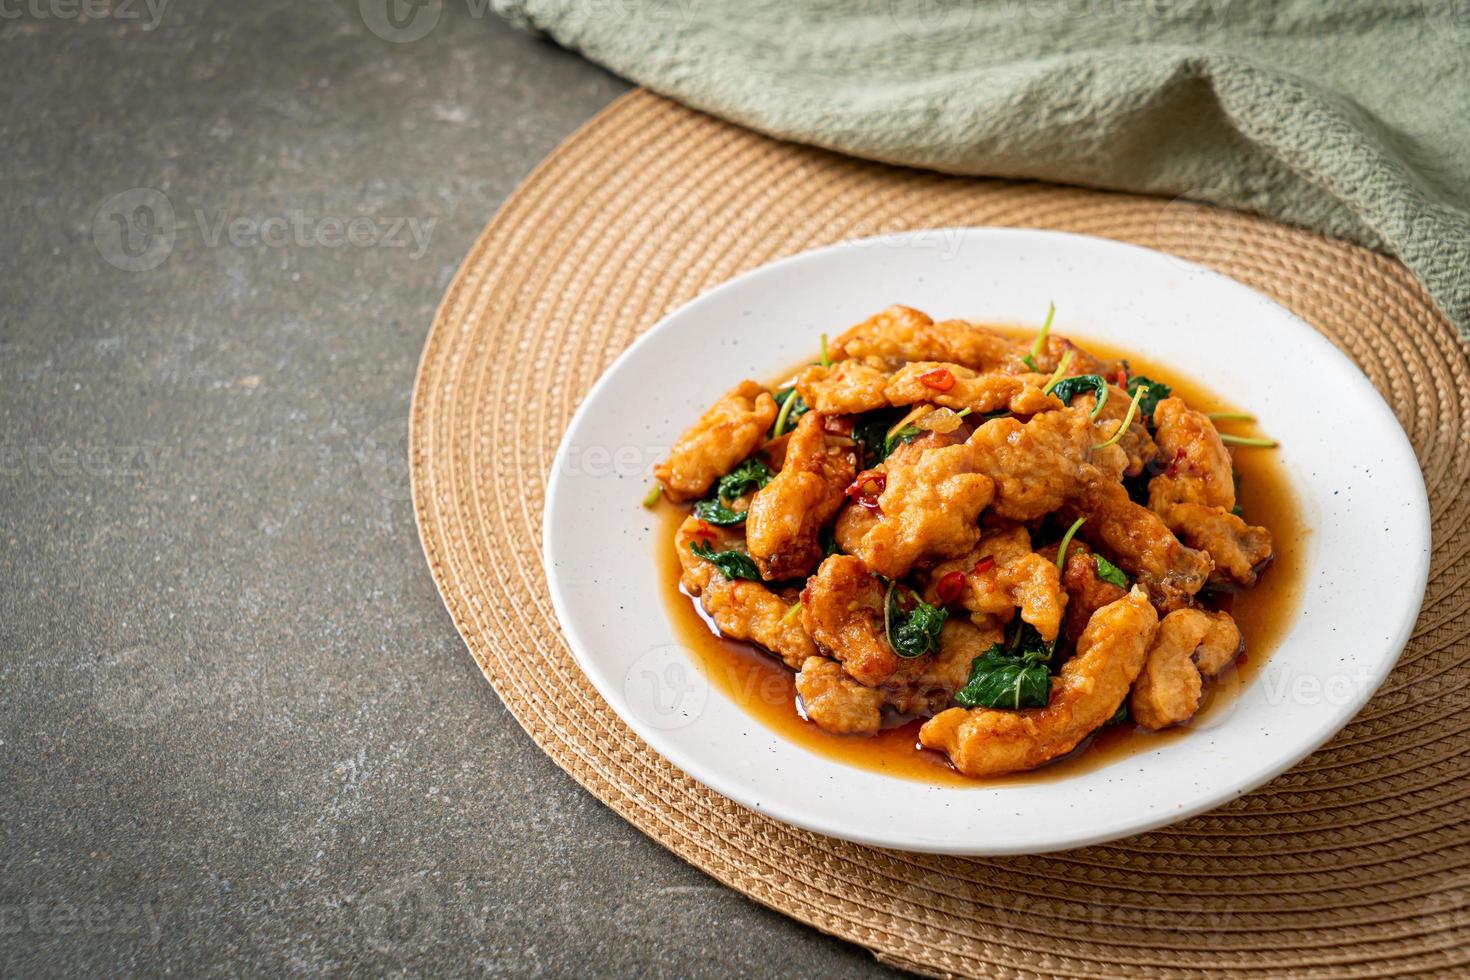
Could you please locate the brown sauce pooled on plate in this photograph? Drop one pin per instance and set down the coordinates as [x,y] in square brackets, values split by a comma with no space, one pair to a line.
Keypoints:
[766,688]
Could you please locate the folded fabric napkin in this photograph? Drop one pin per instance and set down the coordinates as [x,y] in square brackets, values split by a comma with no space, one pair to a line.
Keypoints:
[1349,118]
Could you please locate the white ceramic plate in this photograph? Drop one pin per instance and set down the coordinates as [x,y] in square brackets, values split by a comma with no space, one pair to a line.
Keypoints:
[1351,465]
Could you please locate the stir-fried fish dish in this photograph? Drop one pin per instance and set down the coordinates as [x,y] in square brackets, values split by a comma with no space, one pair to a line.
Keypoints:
[1012,538]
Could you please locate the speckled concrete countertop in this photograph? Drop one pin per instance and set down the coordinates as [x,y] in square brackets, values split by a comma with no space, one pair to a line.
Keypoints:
[239,733]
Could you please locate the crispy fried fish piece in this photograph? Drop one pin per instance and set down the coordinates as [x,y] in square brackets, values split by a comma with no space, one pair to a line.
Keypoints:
[1136,443]
[1191,645]
[1143,545]
[970,389]
[1238,549]
[1196,492]
[788,514]
[900,333]
[842,609]
[1110,653]
[846,387]
[1198,468]
[730,430]
[1086,592]
[1056,347]
[835,702]
[932,496]
[1039,465]
[1002,574]
[926,685]
[743,610]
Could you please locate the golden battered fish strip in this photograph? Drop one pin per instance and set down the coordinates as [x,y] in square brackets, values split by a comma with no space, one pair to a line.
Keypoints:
[958,387]
[1197,466]
[1039,465]
[845,388]
[1136,443]
[787,515]
[1110,653]
[1142,545]
[742,609]
[729,431]
[900,333]
[835,702]
[932,496]
[1191,645]
[1237,549]
[842,609]
[1002,574]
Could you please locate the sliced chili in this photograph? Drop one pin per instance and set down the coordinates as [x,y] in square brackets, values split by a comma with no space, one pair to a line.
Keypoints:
[867,487]
[939,379]
[984,565]
[950,587]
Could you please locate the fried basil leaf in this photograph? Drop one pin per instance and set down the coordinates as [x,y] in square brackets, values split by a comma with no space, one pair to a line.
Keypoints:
[871,432]
[1069,388]
[714,511]
[1109,572]
[732,564]
[749,475]
[914,632]
[1157,392]
[1002,680]
[1120,717]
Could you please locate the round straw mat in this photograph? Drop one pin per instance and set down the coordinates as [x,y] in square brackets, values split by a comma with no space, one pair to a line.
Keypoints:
[1355,863]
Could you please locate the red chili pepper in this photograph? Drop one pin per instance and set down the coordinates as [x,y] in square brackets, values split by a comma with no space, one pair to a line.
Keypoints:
[950,588]
[984,565]
[704,531]
[1173,469]
[866,488]
[939,379]
[1122,378]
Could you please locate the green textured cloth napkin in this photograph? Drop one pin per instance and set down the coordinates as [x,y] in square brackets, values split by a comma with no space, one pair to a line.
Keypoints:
[1349,118]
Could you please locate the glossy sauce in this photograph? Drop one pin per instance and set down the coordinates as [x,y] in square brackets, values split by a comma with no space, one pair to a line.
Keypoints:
[766,688]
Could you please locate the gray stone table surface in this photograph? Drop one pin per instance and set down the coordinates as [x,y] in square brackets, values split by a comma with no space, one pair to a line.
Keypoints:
[238,732]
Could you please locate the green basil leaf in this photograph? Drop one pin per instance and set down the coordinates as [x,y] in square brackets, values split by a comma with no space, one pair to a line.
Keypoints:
[749,475]
[915,632]
[1109,572]
[714,511]
[871,432]
[1069,388]
[999,680]
[1157,392]
[732,564]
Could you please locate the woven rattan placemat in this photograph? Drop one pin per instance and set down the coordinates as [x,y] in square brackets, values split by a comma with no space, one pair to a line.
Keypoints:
[1355,863]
